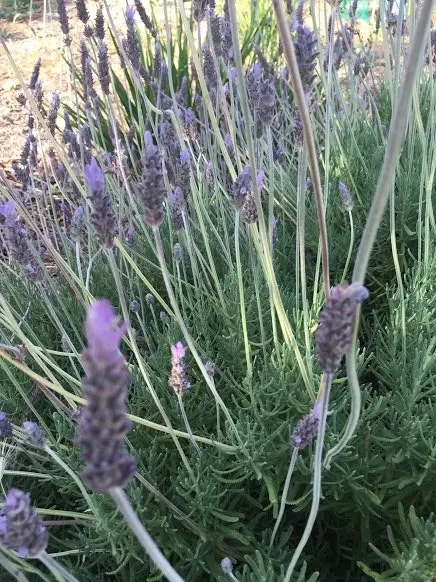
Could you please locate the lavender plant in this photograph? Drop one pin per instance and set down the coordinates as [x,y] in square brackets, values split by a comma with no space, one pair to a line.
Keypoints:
[177,188]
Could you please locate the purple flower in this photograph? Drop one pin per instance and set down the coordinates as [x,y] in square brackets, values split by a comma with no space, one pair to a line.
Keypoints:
[178,378]
[226,565]
[103,423]
[99,24]
[151,189]
[132,42]
[242,187]
[21,528]
[336,321]
[185,156]
[82,11]
[35,75]
[103,67]
[130,235]
[307,427]
[306,53]
[199,9]
[53,112]
[63,20]
[34,434]
[177,208]
[103,218]
[17,242]
[145,18]
[210,74]
[5,426]
[130,14]
[94,176]
[216,33]
[77,222]
[345,196]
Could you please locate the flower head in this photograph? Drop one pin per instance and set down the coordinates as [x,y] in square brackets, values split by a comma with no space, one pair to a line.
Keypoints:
[21,527]
[306,53]
[178,379]
[151,189]
[5,425]
[34,434]
[242,187]
[226,565]
[103,218]
[94,176]
[345,196]
[103,423]
[307,427]
[334,334]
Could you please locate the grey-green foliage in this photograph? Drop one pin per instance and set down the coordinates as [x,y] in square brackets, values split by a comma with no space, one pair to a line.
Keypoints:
[413,559]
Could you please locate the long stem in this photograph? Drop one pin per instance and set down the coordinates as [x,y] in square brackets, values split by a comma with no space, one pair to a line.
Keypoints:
[12,569]
[242,296]
[356,400]
[393,149]
[317,475]
[58,571]
[350,247]
[300,98]
[284,494]
[143,536]
[185,420]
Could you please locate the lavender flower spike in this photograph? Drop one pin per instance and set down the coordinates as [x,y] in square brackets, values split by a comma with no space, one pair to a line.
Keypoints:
[103,423]
[242,187]
[151,189]
[34,434]
[103,218]
[178,380]
[21,528]
[334,334]
[6,430]
[63,20]
[307,427]
[345,196]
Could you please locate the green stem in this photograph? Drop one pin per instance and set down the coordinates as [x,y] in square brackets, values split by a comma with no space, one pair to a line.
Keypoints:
[284,494]
[317,475]
[350,247]
[12,569]
[241,295]
[143,536]
[300,98]
[185,420]
[58,571]
[301,230]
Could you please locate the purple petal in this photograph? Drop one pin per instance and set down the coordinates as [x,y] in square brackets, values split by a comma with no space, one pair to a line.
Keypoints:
[101,332]
[94,176]
[178,350]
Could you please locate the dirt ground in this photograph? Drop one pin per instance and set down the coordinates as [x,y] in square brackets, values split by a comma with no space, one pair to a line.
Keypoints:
[27,41]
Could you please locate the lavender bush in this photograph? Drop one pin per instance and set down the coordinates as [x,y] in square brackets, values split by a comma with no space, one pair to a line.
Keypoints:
[187,250]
